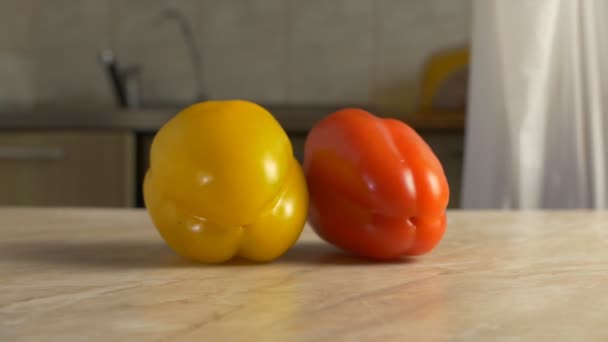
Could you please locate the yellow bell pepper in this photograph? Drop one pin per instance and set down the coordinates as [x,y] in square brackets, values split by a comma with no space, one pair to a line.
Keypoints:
[223,182]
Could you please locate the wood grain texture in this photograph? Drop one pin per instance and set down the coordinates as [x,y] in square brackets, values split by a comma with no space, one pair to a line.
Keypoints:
[93,274]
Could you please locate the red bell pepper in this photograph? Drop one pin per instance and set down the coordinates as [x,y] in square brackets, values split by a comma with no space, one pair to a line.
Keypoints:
[376,188]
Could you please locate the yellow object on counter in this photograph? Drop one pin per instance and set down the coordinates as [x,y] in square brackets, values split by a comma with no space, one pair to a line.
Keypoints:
[223,182]
[438,71]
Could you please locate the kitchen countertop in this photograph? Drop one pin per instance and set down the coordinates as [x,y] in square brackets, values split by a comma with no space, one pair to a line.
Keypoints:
[102,274]
[294,119]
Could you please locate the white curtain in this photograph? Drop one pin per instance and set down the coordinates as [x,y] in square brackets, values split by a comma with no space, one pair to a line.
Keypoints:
[536,133]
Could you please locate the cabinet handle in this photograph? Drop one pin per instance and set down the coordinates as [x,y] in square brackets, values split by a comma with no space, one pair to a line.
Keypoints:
[31,153]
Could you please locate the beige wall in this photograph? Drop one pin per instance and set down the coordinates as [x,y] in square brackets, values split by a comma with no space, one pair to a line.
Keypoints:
[280,51]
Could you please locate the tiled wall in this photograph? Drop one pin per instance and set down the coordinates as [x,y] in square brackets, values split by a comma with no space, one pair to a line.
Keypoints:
[280,51]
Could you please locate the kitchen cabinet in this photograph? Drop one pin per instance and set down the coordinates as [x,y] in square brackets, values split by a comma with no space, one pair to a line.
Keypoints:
[297,141]
[67,168]
[100,158]
[447,145]
[449,149]
[143,146]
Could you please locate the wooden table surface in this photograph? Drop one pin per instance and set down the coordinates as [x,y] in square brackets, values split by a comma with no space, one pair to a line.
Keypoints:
[88,275]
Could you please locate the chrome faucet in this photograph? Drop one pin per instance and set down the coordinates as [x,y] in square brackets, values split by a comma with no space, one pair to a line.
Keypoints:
[185,28]
[126,81]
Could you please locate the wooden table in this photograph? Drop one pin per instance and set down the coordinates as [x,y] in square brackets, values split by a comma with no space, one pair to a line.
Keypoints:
[88,275]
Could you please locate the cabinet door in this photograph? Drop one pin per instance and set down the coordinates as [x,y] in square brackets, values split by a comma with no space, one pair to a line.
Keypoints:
[297,142]
[449,149]
[83,168]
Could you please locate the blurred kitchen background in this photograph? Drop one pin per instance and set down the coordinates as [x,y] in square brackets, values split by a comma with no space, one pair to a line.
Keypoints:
[84,84]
